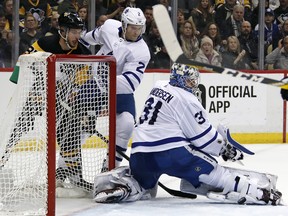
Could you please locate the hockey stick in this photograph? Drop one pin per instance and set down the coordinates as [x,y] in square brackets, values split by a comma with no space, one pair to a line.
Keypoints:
[168,190]
[175,52]
[238,145]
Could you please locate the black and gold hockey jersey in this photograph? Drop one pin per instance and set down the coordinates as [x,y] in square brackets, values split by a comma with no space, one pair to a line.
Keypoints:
[51,44]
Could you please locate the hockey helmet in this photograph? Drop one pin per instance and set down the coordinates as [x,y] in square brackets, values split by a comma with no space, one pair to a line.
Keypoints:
[70,20]
[185,76]
[133,16]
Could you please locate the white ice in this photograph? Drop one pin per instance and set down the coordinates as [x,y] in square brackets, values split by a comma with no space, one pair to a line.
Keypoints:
[271,158]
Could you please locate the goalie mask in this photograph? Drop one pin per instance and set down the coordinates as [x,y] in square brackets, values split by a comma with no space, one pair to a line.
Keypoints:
[186,77]
[133,16]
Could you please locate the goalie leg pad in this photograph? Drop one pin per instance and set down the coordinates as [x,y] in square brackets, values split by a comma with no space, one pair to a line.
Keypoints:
[244,190]
[272,197]
[117,185]
[265,182]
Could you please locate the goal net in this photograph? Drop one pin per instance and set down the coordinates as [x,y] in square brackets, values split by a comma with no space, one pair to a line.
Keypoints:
[58,129]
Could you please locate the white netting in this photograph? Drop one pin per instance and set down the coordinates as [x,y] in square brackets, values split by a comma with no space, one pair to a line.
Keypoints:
[82,126]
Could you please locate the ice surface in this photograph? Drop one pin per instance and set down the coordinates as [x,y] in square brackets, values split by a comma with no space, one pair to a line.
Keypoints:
[271,158]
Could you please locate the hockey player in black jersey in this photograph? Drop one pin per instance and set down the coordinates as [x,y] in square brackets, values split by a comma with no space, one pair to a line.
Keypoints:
[68,138]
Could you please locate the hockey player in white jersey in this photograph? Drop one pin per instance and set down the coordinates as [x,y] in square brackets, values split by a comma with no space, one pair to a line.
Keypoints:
[174,137]
[124,41]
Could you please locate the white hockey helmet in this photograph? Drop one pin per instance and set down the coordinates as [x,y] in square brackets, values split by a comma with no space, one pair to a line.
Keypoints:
[186,77]
[133,16]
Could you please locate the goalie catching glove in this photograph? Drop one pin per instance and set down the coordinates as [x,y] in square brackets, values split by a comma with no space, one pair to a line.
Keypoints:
[228,151]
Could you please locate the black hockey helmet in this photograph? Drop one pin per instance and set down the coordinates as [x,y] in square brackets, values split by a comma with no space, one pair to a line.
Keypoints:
[70,20]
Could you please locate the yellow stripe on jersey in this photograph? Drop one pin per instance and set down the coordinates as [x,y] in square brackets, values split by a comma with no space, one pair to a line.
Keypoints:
[34,48]
[82,75]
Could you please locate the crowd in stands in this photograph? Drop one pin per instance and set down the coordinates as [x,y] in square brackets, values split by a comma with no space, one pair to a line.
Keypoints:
[219,32]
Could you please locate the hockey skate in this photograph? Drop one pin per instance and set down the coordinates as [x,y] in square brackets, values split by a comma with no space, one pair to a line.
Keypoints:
[115,195]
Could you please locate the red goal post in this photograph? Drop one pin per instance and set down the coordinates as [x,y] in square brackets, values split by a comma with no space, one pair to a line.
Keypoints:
[62,104]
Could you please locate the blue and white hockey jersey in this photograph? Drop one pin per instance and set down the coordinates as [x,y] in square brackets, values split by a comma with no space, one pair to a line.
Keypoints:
[132,57]
[173,117]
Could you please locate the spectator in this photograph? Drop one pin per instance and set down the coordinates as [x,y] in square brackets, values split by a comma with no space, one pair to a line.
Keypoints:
[8,10]
[249,43]
[41,10]
[162,59]
[30,34]
[273,4]
[184,4]
[54,3]
[284,28]
[246,3]
[154,42]
[54,24]
[213,32]
[180,20]
[279,56]
[6,49]
[207,54]
[130,3]
[233,23]
[83,14]
[68,6]
[188,39]
[4,24]
[166,3]
[100,9]
[233,57]
[148,13]
[255,14]
[3,45]
[223,12]
[143,4]
[271,33]
[115,10]
[202,15]
[281,12]
[100,21]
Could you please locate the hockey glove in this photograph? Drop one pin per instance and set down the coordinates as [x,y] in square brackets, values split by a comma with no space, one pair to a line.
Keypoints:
[229,152]
[284,92]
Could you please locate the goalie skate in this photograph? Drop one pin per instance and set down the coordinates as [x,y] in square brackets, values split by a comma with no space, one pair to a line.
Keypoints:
[112,195]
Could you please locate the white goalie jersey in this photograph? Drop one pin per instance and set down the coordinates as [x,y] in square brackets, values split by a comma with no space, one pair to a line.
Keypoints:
[184,118]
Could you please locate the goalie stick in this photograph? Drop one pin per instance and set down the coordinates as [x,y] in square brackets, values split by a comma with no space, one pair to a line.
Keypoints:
[176,54]
[238,145]
[168,190]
